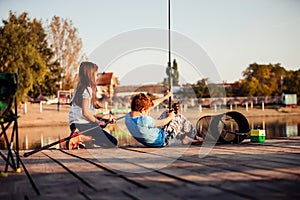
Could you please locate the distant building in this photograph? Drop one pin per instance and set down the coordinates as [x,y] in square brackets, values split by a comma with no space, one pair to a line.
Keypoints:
[234,85]
[289,100]
[154,89]
[106,84]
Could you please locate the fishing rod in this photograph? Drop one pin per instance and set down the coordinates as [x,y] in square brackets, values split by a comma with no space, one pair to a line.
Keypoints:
[169,62]
[75,134]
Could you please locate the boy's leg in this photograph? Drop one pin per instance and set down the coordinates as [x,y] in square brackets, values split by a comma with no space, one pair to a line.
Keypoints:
[187,127]
[173,131]
[179,128]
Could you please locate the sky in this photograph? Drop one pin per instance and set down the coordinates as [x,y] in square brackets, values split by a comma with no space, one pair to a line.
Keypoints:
[232,33]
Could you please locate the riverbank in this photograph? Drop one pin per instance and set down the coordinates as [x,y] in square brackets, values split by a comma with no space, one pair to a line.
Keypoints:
[49,115]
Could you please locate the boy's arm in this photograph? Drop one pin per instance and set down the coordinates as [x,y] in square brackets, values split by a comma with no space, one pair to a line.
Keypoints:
[160,100]
[164,121]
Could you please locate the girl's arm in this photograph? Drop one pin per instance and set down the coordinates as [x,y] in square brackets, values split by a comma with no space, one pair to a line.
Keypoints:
[91,116]
[85,110]
[108,117]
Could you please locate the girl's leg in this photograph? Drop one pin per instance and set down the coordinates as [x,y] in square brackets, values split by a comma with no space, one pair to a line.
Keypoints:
[100,136]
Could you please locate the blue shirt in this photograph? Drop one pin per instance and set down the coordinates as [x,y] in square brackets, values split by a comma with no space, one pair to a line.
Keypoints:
[143,130]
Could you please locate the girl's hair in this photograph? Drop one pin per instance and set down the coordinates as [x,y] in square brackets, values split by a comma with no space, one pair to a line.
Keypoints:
[86,79]
[141,101]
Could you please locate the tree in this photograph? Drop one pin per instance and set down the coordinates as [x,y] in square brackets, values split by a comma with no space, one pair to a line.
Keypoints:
[291,82]
[23,49]
[49,86]
[201,89]
[262,80]
[249,87]
[278,73]
[67,46]
[174,73]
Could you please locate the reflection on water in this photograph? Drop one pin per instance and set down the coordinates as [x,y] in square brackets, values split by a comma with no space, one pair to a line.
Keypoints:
[30,138]
[33,137]
[275,127]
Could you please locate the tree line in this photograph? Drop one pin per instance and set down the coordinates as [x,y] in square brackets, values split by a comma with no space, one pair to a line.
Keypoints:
[43,57]
[258,80]
[46,60]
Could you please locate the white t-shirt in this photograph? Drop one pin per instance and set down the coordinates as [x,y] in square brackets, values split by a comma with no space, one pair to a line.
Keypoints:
[75,114]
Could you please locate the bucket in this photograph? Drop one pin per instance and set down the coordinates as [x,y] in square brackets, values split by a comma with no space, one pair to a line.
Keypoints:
[258,135]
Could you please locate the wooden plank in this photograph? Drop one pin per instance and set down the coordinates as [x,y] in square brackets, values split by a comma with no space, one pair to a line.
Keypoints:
[153,178]
[99,179]
[245,171]
[52,179]
[224,174]
[46,176]
[141,179]
[181,171]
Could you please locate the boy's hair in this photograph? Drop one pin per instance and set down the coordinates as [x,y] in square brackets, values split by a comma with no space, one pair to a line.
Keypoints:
[141,101]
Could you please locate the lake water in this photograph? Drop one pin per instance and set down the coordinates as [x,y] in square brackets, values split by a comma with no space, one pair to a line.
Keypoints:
[288,126]
[275,127]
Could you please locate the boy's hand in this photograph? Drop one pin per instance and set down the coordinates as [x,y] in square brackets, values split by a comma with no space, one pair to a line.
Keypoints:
[169,94]
[171,114]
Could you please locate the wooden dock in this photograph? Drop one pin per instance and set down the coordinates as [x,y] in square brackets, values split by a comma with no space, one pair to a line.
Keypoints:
[269,170]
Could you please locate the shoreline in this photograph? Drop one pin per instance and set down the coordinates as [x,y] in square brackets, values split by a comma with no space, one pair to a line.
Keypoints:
[50,116]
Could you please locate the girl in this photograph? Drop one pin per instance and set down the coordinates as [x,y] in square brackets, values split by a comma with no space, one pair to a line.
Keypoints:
[82,113]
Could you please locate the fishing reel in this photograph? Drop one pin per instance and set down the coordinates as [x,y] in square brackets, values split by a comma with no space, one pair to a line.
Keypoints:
[175,107]
[104,122]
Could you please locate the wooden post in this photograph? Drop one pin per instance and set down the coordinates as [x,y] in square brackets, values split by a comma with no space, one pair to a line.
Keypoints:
[263,106]
[26,142]
[42,140]
[185,107]
[24,108]
[106,107]
[41,106]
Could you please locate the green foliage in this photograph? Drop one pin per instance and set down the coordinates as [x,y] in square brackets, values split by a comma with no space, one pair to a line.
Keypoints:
[198,90]
[201,89]
[67,46]
[174,74]
[259,80]
[21,51]
[262,80]
[291,82]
